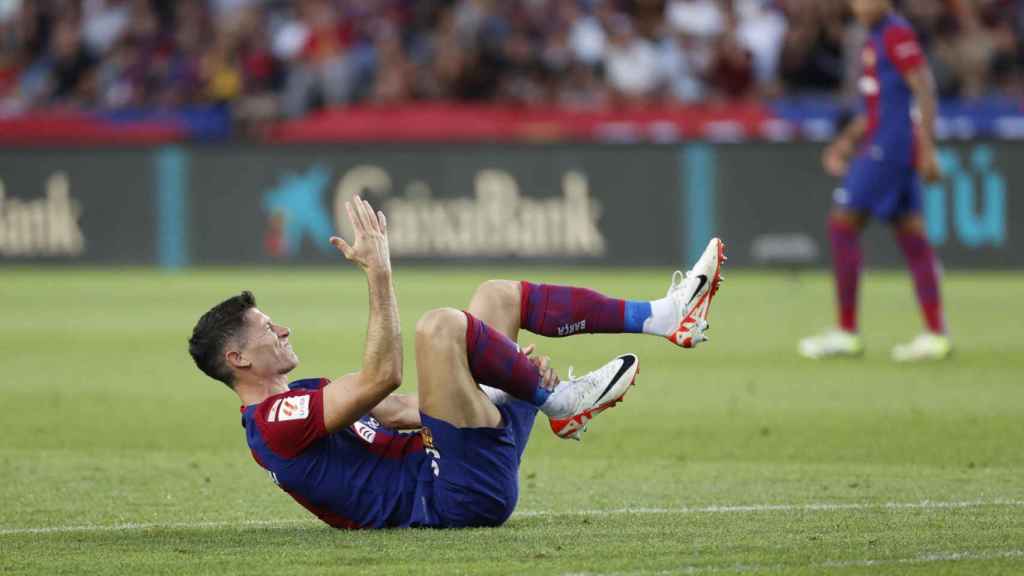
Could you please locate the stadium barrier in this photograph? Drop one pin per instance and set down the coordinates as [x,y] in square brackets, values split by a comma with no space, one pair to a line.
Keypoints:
[599,204]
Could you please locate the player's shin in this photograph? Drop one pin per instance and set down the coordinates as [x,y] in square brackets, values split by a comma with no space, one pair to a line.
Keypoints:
[557,311]
[496,361]
[846,261]
[924,269]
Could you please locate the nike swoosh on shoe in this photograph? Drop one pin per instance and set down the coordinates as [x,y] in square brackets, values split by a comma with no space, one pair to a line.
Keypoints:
[627,362]
[703,280]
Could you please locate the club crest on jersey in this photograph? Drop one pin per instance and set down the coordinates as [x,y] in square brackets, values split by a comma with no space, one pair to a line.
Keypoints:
[364,432]
[293,408]
[428,438]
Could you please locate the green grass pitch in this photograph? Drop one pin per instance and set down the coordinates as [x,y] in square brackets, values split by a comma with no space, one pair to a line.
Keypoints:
[117,456]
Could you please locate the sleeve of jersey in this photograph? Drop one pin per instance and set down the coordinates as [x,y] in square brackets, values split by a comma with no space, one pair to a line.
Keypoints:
[903,49]
[290,422]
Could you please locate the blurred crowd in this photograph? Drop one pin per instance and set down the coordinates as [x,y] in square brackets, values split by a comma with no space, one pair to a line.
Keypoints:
[273,58]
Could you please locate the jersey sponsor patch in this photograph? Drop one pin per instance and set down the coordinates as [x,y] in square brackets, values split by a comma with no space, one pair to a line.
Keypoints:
[292,408]
[364,432]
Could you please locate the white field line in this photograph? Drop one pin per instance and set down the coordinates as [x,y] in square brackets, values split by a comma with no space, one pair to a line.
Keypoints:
[129,526]
[717,509]
[939,557]
[812,507]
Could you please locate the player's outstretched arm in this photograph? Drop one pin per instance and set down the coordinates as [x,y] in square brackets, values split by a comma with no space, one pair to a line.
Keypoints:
[353,396]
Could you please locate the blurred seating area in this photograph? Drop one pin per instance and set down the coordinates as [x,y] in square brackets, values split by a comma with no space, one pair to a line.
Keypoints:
[261,61]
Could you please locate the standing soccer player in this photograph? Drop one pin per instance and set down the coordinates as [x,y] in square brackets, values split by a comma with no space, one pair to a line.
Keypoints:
[889,151]
[339,447]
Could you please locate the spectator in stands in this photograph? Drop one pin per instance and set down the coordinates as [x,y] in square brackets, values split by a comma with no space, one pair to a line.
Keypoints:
[732,71]
[321,70]
[631,64]
[587,38]
[812,53]
[70,64]
[10,54]
[394,78]
[761,28]
[682,69]
[272,58]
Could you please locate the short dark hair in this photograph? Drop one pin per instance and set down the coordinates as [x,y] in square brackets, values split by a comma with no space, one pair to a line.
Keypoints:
[222,323]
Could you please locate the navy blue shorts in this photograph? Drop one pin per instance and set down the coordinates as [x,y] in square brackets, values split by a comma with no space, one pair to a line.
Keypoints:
[887,190]
[476,470]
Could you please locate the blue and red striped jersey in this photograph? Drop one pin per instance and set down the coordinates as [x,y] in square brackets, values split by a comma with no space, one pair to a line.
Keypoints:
[363,476]
[891,51]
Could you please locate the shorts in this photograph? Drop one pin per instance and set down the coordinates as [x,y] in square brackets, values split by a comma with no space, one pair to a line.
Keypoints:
[474,472]
[887,190]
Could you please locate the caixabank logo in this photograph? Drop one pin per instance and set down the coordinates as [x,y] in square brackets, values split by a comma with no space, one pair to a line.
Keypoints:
[295,210]
[42,227]
[491,219]
[969,205]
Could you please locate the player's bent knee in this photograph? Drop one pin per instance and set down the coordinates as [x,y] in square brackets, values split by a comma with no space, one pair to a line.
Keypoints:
[440,325]
[498,292]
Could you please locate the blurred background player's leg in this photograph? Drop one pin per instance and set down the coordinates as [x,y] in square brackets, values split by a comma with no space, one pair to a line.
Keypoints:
[924,269]
[844,231]
[934,343]
[909,229]
[865,183]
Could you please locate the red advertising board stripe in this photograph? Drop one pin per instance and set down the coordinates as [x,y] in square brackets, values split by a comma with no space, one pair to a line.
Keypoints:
[459,122]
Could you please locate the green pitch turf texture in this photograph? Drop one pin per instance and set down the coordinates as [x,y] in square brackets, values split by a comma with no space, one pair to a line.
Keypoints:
[118,457]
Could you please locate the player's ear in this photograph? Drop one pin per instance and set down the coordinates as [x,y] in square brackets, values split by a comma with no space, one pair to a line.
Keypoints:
[236,359]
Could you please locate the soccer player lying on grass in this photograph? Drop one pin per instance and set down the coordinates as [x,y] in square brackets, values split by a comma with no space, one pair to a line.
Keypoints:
[335,445]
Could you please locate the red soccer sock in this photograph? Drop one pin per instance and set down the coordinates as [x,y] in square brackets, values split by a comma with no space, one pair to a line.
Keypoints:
[556,311]
[924,269]
[847,260]
[495,360]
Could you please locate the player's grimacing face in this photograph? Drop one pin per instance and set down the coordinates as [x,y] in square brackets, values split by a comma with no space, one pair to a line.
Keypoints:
[267,346]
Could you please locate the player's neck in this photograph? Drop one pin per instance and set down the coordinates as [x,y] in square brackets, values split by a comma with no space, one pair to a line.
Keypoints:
[257,390]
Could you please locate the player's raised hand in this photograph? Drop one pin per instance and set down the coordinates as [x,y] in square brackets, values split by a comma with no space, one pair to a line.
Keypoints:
[369,249]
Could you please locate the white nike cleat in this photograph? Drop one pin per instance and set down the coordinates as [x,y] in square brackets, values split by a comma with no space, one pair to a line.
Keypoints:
[832,344]
[692,294]
[593,393]
[927,346]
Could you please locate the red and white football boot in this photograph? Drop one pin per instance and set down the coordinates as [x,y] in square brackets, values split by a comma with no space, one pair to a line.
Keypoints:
[594,393]
[692,294]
